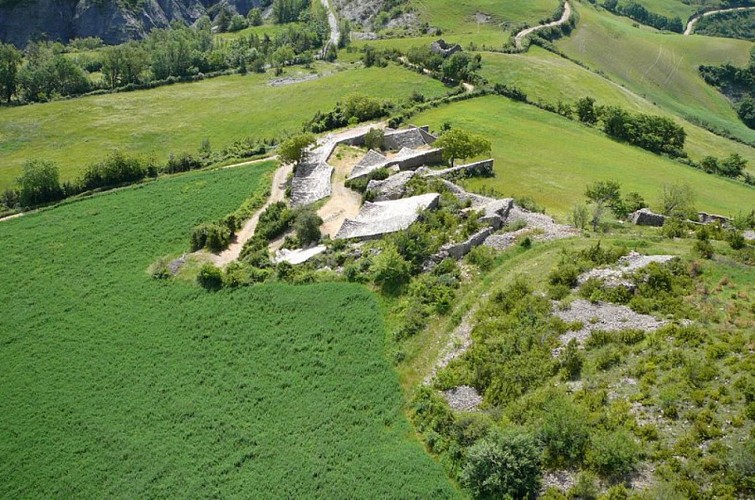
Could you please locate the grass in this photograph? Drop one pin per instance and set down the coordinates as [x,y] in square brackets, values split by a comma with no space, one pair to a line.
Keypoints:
[176,118]
[660,67]
[118,385]
[547,77]
[552,159]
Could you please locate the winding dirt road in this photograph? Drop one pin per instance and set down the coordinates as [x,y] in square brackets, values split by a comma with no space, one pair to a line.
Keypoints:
[524,33]
[692,22]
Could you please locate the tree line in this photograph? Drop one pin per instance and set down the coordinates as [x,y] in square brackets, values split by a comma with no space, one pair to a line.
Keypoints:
[48,70]
[640,14]
[738,84]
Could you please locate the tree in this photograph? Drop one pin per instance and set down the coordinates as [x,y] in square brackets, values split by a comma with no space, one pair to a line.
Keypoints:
[238,23]
[39,183]
[604,194]
[505,465]
[374,139]
[254,17]
[677,200]
[586,111]
[307,227]
[733,165]
[123,64]
[10,58]
[294,149]
[461,66]
[460,144]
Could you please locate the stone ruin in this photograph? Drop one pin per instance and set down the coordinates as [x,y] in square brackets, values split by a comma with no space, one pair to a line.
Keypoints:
[384,217]
[444,49]
[645,217]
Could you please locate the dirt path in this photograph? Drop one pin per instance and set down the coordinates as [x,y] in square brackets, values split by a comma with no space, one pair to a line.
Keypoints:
[12,216]
[524,33]
[343,202]
[251,162]
[693,21]
[277,193]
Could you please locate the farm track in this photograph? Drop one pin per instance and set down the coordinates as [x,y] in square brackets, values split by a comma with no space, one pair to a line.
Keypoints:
[277,193]
[694,20]
[525,33]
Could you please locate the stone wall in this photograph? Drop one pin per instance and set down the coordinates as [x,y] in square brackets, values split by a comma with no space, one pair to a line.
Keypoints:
[459,250]
[482,168]
[645,217]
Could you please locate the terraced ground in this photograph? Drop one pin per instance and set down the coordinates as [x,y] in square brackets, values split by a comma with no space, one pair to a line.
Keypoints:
[118,385]
[552,159]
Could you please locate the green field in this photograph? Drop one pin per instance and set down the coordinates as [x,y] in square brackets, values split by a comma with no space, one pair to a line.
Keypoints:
[547,77]
[660,67]
[176,118]
[117,385]
[552,159]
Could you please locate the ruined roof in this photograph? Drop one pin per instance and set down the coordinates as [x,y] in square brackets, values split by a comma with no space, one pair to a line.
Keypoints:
[383,217]
[371,162]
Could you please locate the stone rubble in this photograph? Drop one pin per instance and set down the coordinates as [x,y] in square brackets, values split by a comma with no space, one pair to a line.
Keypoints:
[463,398]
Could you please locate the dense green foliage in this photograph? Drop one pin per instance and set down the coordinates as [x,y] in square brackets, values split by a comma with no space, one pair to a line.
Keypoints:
[639,13]
[120,385]
[39,183]
[728,24]
[738,84]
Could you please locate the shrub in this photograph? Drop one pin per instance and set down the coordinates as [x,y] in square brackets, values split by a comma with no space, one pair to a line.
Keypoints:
[579,216]
[374,139]
[563,432]
[274,221]
[307,227]
[39,183]
[612,454]
[505,464]
[704,249]
[214,237]
[210,277]
[113,171]
[572,360]
[389,269]
[585,488]
[483,257]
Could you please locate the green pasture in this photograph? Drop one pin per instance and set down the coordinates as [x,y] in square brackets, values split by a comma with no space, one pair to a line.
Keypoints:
[116,385]
[661,67]
[552,159]
[176,118]
[548,78]
[271,30]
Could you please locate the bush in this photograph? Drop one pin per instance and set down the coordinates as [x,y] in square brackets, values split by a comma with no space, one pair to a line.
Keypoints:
[115,170]
[210,277]
[307,227]
[572,360]
[503,465]
[389,269]
[39,183]
[612,454]
[564,432]
[704,249]
[374,139]
[214,237]
[483,257]
[274,221]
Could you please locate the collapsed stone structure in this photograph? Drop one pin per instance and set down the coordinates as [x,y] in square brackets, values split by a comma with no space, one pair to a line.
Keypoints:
[645,217]
[384,217]
[442,48]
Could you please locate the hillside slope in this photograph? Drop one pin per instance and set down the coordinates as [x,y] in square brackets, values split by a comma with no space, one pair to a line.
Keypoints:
[111,20]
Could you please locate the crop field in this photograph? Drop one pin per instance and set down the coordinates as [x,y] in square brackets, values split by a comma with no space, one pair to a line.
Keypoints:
[117,385]
[546,77]
[176,118]
[552,159]
[660,67]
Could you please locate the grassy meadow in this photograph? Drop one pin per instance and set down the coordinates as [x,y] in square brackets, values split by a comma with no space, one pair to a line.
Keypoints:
[661,67]
[176,118]
[117,385]
[552,159]
[547,77]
